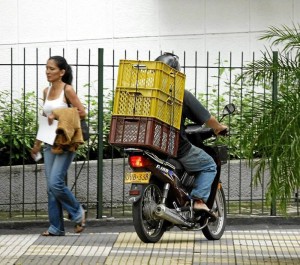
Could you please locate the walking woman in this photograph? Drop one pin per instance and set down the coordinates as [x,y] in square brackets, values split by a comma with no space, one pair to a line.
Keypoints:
[56,96]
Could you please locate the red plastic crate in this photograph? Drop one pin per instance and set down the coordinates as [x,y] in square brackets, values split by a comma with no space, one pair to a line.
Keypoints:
[144,132]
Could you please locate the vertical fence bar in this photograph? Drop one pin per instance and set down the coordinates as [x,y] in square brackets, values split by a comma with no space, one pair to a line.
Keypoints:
[251,185]
[112,168]
[241,110]
[184,62]
[218,83]
[228,164]
[36,111]
[124,156]
[88,122]
[23,134]
[100,136]
[297,200]
[207,77]
[112,148]
[252,107]
[263,177]
[274,99]
[10,137]
[229,119]
[196,71]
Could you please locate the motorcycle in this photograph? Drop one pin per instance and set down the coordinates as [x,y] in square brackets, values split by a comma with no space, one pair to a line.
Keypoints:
[160,189]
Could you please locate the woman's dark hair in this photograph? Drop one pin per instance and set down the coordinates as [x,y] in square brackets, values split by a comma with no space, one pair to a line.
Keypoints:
[63,65]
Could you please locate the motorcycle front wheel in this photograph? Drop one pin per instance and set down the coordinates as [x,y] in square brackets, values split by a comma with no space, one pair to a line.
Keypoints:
[214,230]
[147,226]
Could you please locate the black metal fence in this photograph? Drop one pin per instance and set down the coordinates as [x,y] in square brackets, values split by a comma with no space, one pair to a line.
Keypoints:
[96,176]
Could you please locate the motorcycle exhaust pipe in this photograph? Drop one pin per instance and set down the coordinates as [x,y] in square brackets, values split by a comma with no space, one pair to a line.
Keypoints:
[170,215]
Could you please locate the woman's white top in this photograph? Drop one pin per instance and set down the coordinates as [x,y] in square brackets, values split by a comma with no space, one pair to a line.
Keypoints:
[58,103]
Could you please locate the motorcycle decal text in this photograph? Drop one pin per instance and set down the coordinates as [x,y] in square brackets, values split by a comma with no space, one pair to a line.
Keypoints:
[163,169]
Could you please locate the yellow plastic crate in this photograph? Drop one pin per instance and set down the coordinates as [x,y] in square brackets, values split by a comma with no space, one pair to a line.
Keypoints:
[151,74]
[146,102]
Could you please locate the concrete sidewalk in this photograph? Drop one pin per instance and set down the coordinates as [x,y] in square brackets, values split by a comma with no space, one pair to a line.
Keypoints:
[259,243]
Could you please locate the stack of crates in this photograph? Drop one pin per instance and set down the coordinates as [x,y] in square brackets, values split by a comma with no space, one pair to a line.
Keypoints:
[147,106]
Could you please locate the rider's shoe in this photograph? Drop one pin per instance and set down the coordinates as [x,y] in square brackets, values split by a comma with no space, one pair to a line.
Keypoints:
[201,207]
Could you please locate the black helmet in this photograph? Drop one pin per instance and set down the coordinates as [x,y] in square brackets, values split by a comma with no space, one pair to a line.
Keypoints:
[169,59]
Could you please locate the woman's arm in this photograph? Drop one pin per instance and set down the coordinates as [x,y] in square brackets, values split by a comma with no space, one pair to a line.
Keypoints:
[72,97]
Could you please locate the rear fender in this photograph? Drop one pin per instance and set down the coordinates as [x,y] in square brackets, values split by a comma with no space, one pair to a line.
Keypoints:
[135,192]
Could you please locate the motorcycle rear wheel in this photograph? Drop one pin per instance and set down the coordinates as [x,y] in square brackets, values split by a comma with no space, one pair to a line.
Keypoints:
[214,230]
[147,226]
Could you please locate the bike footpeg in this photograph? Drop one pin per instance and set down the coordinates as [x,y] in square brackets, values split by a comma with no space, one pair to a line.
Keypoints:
[205,214]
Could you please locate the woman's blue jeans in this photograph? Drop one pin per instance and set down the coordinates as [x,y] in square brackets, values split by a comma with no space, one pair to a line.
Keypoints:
[197,161]
[59,195]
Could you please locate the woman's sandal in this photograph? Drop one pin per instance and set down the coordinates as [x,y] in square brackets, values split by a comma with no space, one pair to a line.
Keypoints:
[78,228]
[47,233]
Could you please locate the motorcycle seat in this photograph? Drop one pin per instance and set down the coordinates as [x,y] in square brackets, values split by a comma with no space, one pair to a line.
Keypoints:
[176,164]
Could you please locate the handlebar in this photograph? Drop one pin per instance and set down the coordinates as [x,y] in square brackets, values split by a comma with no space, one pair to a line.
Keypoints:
[224,132]
[194,130]
[198,133]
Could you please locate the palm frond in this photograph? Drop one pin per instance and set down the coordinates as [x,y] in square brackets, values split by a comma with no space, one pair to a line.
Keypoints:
[288,37]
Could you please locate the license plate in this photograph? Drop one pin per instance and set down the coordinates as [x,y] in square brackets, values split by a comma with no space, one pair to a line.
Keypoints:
[137,177]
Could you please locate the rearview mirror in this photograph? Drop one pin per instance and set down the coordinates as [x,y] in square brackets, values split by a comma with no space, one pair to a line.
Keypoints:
[228,109]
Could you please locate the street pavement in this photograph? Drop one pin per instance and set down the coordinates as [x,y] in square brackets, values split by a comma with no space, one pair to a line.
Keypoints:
[108,241]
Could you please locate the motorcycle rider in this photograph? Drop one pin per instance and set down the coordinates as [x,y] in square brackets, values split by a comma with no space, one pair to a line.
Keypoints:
[194,159]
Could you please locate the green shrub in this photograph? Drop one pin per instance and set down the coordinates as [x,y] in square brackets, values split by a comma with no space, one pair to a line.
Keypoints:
[272,136]
[17,127]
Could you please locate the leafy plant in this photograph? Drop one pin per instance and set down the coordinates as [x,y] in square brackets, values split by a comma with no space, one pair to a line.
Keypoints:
[17,127]
[243,93]
[272,134]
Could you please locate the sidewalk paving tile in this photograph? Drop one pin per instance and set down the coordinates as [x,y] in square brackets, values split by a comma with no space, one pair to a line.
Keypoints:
[279,246]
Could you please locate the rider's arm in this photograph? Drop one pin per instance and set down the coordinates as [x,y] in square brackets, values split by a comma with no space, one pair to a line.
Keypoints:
[196,112]
[215,125]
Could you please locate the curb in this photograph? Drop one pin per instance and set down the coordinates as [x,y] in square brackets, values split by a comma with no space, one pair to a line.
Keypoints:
[42,223]
[232,220]
[262,220]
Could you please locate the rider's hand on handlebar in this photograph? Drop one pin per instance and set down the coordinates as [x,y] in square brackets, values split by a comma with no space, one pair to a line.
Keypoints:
[221,130]
[216,126]
[225,132]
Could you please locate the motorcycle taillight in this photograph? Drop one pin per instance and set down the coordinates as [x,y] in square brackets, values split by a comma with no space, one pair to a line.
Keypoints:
[139,161]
